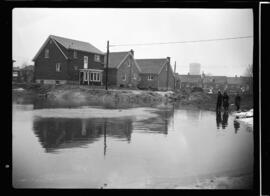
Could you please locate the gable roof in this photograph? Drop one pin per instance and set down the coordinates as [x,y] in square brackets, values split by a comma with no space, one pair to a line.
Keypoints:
[76,45]
[117,58]
[69,44]
[153,66]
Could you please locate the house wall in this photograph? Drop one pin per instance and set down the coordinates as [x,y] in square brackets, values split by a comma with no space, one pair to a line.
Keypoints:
[144,83]
[74,64]
[45,68]
[112,77]
[166,78]
[129,72]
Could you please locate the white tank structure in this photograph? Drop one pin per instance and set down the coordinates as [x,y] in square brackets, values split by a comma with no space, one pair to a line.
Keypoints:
[194,68]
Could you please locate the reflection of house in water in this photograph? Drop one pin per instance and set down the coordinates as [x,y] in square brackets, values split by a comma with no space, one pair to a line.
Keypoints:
[57,133]
[158,124]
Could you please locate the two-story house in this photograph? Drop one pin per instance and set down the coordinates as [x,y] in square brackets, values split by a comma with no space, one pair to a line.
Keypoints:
[61,60]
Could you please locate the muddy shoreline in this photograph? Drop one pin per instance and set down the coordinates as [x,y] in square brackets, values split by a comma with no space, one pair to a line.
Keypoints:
[72,95]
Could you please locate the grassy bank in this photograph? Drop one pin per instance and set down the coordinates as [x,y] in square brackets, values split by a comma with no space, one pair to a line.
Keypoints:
[66,95]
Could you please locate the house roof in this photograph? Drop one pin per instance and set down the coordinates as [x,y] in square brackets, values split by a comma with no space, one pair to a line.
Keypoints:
[153,66]
[234,80]
[115,58]
[69,44]
[76,45]
[190,78]
[219,79]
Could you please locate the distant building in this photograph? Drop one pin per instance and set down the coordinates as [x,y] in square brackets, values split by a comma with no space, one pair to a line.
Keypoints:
[156,74]
[16,74]
[27,74]
[194,68]
[190,81]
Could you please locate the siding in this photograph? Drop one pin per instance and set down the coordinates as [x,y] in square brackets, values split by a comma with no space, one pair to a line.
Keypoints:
[79,62]
[145,83]
[45,68]
[129,71]
[162,79]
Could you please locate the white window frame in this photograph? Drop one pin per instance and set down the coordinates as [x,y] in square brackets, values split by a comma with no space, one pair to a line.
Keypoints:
[95,77]
[58,67]
[125,77]
[150,77]
[46,54]
[134,77]
[75,54]
[15,74]
[97,58]
[85,62]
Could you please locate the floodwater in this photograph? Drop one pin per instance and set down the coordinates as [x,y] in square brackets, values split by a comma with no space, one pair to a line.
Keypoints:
[93,147]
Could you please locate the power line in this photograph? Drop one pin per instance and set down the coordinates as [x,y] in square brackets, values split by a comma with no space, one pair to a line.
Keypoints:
[177,42]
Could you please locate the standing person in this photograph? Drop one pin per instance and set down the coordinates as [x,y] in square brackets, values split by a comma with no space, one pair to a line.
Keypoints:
[225,101]
[219,101]
[237,101]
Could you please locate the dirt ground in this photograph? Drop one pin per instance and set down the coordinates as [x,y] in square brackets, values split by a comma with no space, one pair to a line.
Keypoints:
[124,97]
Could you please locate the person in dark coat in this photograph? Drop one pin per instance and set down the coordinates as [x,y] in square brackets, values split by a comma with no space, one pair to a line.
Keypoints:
[237,101]
[219,101]
[225,101]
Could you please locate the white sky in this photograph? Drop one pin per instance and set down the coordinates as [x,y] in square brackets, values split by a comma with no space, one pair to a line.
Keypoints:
[32,26]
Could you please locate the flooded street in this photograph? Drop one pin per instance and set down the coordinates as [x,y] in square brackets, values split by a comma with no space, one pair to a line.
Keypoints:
[94,147]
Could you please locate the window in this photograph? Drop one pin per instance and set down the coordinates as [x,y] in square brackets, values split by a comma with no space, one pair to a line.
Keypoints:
[57,82]
[124,77]
[97,58]
[50,41]
[75,54]
[134,77]
[46,53]
[91,76]
[95,77]
[129,63]
[150,77]
[75,67]
[58,67]
[85,62]
[15,74]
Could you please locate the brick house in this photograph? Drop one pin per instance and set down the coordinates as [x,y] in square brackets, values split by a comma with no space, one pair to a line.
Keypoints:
[62,60]
[190,81]
[16,74]
[27,74]
[234,84]
[156,74]
[123,70]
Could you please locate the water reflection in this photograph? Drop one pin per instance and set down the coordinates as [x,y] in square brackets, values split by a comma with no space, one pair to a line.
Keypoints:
[236,125]
[218,119]
[57,133]
[225,120]
[222,120]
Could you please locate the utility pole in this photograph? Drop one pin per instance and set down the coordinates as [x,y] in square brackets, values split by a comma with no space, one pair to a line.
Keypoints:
[107,65]
[174,74]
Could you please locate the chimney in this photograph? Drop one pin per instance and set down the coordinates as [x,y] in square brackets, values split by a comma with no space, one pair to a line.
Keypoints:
[132,52]
[169,59]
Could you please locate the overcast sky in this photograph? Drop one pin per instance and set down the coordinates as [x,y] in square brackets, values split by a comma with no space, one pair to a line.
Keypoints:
[32,26]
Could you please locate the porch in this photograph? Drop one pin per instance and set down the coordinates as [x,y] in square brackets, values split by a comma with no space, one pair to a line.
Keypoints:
[91,77]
